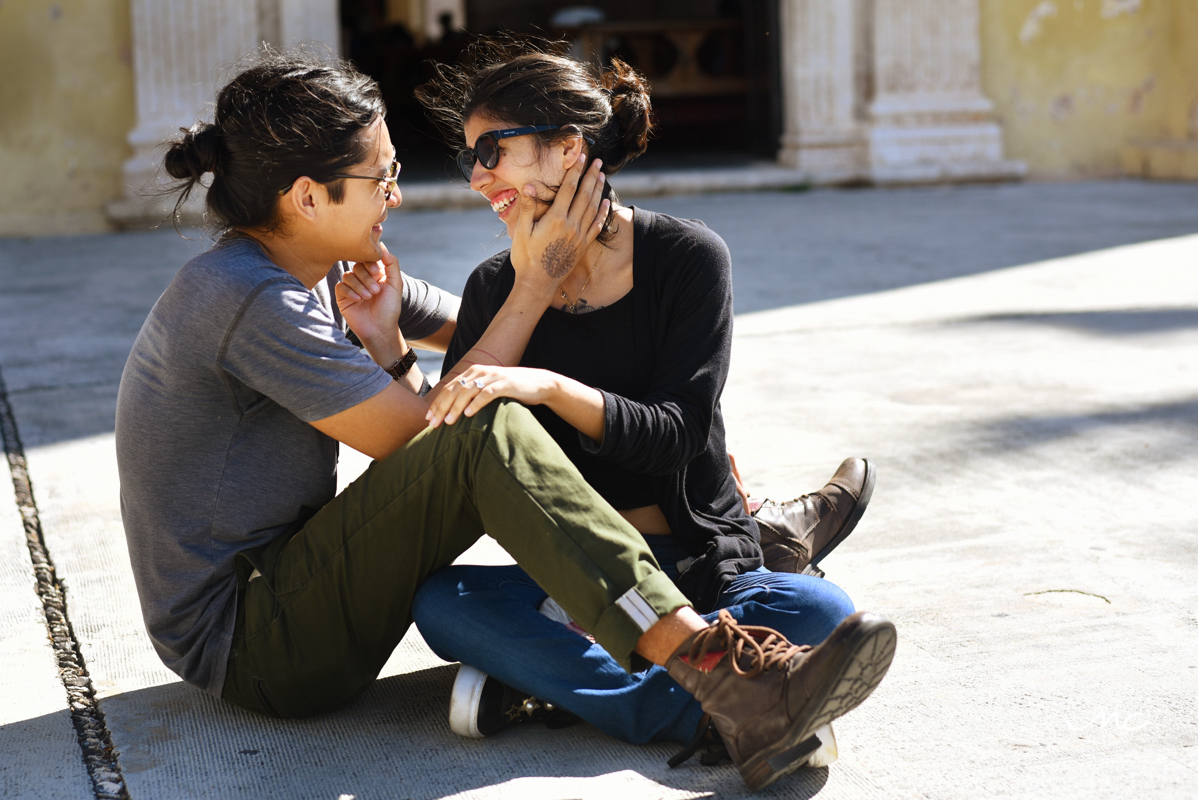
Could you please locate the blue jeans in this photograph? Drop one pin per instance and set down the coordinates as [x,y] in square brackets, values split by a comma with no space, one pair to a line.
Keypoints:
[487,617]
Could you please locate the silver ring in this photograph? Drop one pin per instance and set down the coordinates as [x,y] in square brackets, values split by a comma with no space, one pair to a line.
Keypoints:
[478,384]
[464,382]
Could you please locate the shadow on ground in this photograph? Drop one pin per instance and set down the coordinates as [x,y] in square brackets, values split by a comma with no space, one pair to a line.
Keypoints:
[1032,430]
[397,728]
[1106,323]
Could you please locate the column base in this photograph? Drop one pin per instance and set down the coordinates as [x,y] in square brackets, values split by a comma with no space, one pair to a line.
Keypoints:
[964,172]
[145,204]
[828,159]
[932,154]
[890,155]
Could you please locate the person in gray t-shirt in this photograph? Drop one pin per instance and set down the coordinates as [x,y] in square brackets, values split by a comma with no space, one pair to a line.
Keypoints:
[256,582]
[235,360]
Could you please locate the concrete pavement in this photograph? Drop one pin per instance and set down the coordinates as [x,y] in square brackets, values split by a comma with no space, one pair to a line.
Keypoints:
[1020,360]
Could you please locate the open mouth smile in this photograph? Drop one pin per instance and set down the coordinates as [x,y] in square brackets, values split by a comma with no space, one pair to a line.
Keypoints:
[503,201]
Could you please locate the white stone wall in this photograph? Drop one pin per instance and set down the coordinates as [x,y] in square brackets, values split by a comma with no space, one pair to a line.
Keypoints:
[887,91]
[822,131]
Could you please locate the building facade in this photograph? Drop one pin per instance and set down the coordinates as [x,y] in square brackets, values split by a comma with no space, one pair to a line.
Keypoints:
[871,91]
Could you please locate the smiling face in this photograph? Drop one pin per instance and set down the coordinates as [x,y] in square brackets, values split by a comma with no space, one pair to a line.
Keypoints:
[353,227]
[521,162]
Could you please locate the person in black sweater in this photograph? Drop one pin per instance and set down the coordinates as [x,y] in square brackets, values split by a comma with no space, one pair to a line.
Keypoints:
[625,370]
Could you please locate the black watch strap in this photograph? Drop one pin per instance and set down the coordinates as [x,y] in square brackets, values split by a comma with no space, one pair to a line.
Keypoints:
[401,367]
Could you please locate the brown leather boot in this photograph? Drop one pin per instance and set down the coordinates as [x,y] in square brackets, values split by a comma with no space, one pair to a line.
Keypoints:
[796,534]
[768,697]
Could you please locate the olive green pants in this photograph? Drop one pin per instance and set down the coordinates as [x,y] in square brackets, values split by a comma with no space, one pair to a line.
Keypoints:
[331,602]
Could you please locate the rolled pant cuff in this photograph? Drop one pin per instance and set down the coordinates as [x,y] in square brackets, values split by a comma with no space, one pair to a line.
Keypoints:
[618,631]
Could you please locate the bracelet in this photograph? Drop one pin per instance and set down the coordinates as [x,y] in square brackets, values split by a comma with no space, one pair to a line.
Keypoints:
[401,366]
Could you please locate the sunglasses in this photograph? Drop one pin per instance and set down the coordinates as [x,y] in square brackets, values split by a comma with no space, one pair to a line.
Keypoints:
[486,148]
[388,182]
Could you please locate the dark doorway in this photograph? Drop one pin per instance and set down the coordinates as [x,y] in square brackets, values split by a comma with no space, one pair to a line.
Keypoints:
[713,65]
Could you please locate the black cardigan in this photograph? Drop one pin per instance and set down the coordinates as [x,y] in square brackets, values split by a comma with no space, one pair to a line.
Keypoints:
[674,434]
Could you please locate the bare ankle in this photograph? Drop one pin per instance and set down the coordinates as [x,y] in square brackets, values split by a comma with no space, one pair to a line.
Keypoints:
[667,634]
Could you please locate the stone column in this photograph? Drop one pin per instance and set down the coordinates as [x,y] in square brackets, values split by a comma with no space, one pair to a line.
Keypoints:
[822,134]
[928,119]
[182,53]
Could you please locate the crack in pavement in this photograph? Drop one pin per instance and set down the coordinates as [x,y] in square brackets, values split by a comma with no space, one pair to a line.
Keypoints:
[94,739]
[1068,591]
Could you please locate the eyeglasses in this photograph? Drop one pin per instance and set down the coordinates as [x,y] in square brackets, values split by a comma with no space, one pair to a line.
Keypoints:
[388,182]
[486,147]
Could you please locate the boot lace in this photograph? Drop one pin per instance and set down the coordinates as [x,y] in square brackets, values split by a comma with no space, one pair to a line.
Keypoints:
[762,649]
[709,740]
[756,647]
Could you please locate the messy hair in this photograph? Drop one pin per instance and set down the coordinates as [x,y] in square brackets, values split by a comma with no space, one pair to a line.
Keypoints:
[288,115]
[526,82]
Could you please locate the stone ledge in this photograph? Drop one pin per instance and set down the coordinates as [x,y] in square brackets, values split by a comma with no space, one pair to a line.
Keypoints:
[962,172]
[132,214]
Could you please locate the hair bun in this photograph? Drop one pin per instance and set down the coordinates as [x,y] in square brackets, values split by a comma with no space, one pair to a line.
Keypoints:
[199,150]
[631,109]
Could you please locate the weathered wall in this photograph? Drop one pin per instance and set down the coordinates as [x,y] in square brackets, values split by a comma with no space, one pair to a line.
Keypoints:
[1074,80]
[66,105]
[1183,121]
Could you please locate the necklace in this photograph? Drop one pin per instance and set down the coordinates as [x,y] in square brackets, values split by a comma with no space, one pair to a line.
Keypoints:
[571,307]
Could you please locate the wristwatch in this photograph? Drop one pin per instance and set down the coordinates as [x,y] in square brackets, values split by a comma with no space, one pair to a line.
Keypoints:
[401,367]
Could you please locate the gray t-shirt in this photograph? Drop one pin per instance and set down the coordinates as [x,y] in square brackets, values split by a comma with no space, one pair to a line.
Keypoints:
[214,447]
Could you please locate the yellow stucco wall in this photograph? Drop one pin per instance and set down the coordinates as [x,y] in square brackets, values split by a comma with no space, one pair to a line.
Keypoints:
[1074,80]
[1184,107]
[66,105]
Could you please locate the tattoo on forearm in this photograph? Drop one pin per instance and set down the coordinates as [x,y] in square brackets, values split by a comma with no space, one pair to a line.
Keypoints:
[558,259]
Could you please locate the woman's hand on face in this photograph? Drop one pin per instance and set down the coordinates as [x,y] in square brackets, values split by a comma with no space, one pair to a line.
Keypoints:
[545,250]
[370,297]
[470,392]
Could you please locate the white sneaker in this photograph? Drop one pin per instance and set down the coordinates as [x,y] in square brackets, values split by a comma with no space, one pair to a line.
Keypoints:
[465,700]
[480,705]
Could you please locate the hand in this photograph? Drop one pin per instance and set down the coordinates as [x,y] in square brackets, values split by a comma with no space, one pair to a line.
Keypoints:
[470,392]
[545,250]
[370,297]
[740,484]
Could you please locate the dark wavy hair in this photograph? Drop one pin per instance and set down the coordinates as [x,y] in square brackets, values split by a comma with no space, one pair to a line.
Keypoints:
[288,115]
[519,83]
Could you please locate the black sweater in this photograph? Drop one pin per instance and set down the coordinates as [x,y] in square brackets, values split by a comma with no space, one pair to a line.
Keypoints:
[673,432]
